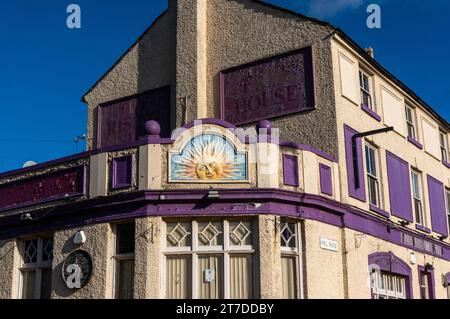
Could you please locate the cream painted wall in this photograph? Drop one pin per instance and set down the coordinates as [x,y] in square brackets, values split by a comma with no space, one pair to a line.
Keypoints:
[352,115]
[323,269]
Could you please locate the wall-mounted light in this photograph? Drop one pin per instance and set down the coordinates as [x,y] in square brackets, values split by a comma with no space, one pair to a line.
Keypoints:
[79,238]
[412,259]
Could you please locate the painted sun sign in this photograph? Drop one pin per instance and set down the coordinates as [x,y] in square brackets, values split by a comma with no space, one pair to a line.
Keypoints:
[208,158]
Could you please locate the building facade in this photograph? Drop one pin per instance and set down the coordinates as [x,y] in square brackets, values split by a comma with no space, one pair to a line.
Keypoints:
[238,150]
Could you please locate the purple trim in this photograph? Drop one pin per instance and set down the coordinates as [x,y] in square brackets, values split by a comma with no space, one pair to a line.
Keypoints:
[379,211]
[431,284]
[326,180]
[415,143]
[424,229]
[290,170]
[446,164]
[399,187]
[371,112]
[388,262]
[357,193]
[122,172]
[436,195]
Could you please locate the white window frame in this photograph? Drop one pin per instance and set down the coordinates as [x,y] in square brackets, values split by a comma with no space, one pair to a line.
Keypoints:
[411,123]
[379,277]
[37,267]
[370,175]
[116,258]
[295,252]
[224,251]
[418,198]
[368,91]
[443,143]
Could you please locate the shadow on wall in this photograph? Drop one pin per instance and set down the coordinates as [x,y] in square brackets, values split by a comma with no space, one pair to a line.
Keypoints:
[157,70]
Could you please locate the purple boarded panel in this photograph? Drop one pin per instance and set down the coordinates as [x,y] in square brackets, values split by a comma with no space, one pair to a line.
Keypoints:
[117,124]
[326,181]
[122,122]
[437,206]
[353,191]
[42,188]
[268,88]
[122,172]
[290,170]
[399,187]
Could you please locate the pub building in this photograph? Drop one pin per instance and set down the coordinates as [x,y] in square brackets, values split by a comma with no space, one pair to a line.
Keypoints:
[238,150]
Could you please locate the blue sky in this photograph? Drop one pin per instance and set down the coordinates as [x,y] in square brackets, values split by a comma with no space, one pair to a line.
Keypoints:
[46,67]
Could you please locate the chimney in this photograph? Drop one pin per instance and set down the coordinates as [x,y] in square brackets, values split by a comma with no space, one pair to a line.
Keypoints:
[370,52]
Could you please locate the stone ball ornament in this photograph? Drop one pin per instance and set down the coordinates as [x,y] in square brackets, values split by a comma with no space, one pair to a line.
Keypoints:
[77,269]
[152,128]
[264,126]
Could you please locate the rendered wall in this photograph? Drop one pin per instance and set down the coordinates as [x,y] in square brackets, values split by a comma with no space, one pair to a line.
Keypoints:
[350,113]
[244,31]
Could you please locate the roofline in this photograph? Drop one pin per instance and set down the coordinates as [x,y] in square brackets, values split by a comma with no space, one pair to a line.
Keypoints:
[391,77]
[83,98]
[345,37]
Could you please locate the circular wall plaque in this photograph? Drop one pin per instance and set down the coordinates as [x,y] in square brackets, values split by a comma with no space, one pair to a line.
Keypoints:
[77,269]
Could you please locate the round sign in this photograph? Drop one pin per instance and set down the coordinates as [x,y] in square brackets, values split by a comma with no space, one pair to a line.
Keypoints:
[77,269]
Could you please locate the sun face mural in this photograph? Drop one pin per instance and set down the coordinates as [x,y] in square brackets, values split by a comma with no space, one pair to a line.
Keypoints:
[208,158]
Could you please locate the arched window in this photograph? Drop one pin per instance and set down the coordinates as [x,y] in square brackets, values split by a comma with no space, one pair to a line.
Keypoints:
[391,277]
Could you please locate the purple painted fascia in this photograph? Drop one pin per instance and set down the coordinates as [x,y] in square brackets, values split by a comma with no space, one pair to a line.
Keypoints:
[423,228]
[190,202]
[388,262]
[122,172]
[446,164]
[371,112]
[290,170]
[430,273]
[379,211]
[415,143]
[54,198]
[326,180]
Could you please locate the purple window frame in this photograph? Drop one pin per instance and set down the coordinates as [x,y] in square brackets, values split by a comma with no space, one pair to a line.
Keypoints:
[431,283]
[326,180]
[390,263]
[371,112]
[119,171]
[360,192]
[290,170]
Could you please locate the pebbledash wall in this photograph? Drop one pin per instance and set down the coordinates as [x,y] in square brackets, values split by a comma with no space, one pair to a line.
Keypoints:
[219,211]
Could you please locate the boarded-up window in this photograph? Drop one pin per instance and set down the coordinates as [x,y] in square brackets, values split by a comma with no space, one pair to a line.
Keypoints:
[394,111]
[431,138]
[348,78]
[437,206]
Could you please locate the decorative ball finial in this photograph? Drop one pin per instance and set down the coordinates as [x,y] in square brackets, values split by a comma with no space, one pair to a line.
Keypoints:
[264,124]
[152,128]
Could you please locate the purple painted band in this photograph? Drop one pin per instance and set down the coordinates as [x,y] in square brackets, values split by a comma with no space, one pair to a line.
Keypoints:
[232,202]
